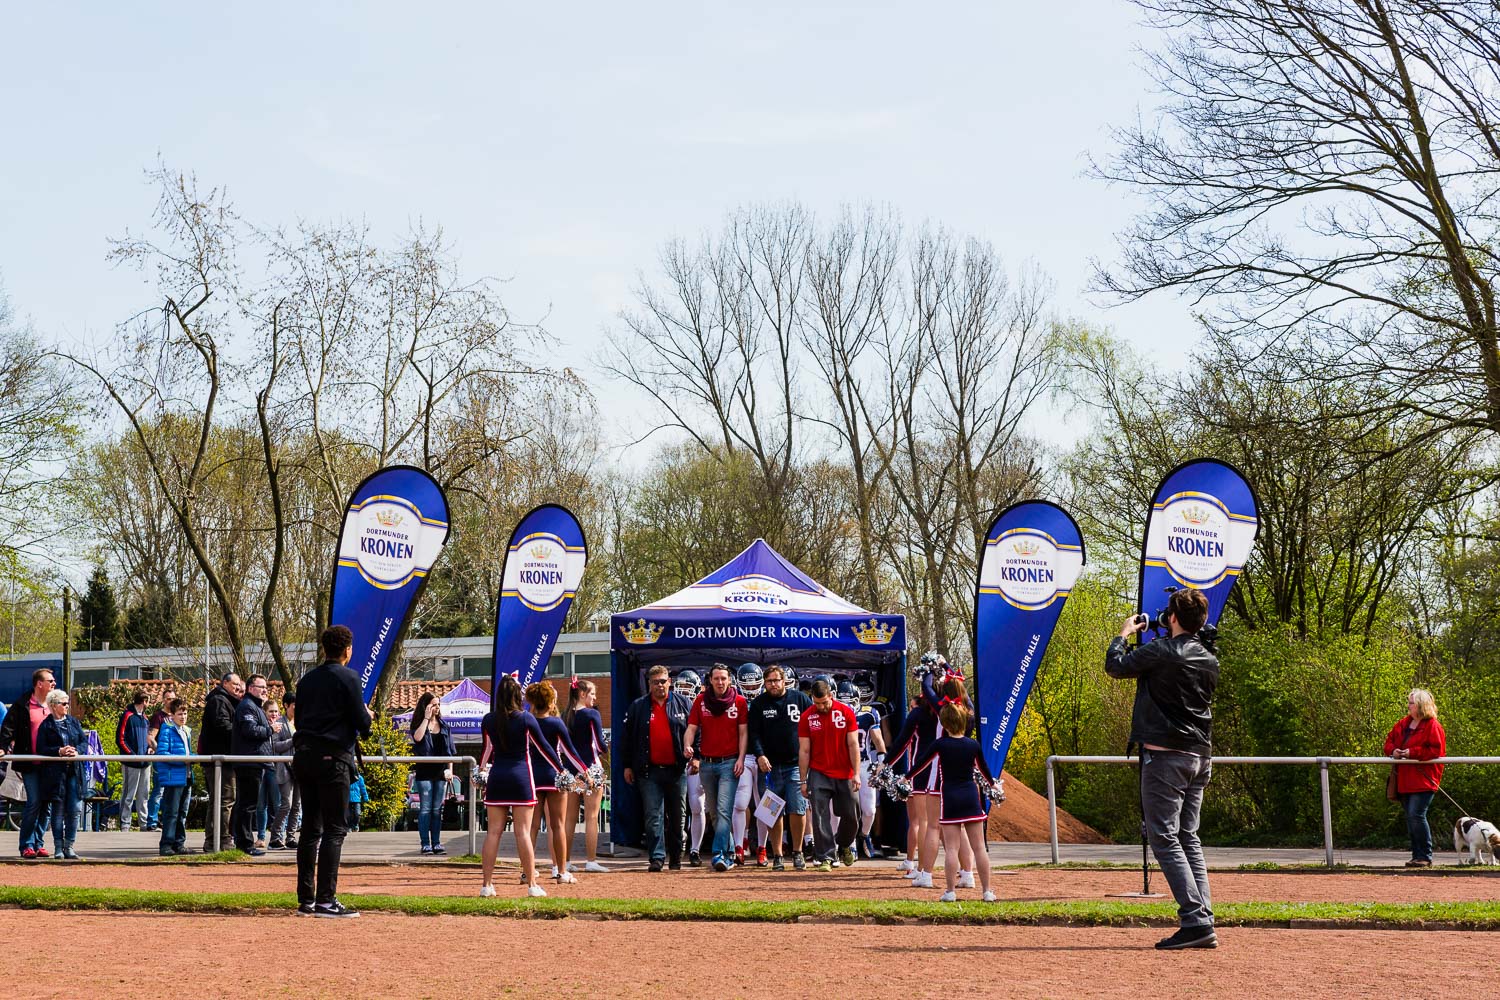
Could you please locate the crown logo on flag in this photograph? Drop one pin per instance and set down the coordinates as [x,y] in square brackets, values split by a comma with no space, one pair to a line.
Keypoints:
[642,633]
[1026,548]
[389,518]
[757,585]
[1195,514]
[542,551]
[874,633]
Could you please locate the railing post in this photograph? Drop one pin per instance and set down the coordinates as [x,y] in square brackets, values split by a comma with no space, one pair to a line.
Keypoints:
[473,806]
[1327,812]
[1052,808]
[215,815]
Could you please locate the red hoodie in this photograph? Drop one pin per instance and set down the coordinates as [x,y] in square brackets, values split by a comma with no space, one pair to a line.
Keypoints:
[1426,742]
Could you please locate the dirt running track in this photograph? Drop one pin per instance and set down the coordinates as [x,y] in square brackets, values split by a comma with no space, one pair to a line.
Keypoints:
[133,955]
[860,882]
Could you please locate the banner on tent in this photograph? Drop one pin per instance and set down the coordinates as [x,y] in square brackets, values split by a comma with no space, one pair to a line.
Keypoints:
[543,567]
[1032,556]
[1199,534]
[394,529]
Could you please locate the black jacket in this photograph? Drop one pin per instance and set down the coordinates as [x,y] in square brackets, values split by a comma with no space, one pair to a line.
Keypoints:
[252,731]
[331,713]
[1174,691]
[216,734]
[773,726]
[638,730]
[15,732]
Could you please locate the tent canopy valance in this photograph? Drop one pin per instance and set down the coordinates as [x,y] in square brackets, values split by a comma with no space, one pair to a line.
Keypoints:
[758,607]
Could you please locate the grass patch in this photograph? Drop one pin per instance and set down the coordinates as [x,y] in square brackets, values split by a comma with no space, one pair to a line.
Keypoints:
[1098,913]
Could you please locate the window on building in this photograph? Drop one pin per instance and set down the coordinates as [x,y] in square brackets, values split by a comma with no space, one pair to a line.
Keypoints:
[591,663]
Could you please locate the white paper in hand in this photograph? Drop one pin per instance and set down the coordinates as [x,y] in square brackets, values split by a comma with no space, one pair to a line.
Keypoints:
[769,809]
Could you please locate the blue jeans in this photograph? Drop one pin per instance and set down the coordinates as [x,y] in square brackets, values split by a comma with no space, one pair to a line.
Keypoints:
[270,802]
[1415,804]
[719,785]
[65,807]
[174,804]
[1172,786]
[153,806]
[663,800]
[34,814]
[430,810]
[786,781]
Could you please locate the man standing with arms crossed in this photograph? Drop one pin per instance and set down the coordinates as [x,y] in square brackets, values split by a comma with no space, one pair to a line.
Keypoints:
[1172,723]
[331,718]
[828,738]
[774,715]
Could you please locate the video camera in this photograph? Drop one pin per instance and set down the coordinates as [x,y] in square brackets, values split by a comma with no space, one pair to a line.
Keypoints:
[1208,634]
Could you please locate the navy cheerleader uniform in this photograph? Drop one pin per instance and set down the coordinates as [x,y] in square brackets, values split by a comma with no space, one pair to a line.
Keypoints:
[555,733]
[952,760]
[588,735]
[918,732]
[510,782]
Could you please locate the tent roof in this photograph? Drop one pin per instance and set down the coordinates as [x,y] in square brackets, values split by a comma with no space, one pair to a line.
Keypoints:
[758,601]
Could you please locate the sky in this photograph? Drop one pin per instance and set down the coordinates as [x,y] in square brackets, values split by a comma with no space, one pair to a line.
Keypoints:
[560,145]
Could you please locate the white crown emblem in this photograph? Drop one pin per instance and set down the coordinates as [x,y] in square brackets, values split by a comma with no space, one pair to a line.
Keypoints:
[388,518]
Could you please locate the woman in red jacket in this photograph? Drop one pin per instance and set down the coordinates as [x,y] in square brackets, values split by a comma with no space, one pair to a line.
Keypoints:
[1418,736]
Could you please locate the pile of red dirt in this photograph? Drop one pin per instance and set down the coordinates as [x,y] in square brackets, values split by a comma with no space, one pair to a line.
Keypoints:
[1022,817]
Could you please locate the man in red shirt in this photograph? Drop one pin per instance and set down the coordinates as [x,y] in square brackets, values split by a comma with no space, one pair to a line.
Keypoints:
[654,766]
[722,716]
[828,737]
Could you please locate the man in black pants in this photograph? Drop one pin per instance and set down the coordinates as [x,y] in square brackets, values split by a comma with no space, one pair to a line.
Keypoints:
[251,738]
[331,717]
[1172,722]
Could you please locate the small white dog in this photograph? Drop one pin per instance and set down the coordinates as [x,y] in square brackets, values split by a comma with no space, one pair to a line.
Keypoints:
[1478,839]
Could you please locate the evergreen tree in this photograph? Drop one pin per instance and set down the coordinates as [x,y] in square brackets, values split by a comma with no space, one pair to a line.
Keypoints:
[152,622]
[98,614]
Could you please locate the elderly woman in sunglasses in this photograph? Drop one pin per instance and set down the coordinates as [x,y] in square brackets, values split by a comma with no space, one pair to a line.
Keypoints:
[61,735]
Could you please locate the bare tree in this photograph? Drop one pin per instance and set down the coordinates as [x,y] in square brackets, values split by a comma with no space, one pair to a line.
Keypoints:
[1324,173]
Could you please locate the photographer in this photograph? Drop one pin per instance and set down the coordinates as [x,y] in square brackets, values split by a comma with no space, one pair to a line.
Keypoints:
[1171,722]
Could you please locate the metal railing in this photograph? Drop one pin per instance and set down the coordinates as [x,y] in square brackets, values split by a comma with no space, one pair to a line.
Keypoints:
[219,760]
[1322,763]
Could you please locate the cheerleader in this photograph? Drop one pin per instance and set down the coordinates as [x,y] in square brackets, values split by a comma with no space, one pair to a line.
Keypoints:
[949,688]
[587,730]
[953,758]
[542,698]
[918,732]
[688,684]
[512,738]
[751,682]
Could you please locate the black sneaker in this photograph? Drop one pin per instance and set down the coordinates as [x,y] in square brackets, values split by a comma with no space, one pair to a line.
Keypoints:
[675,864]
[1189,937]
[333,909]
[778,863]
[306,909]
[439,849]
[695,860]
[655,865]
[799,861]
[276,845]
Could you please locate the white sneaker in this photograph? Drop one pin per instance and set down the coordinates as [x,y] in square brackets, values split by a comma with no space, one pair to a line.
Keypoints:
[554,871]
[913,873]
[573,866]
[948,897]
[535,890]
[837,863]
[567,878]
[922,881]
[965,879]
[594,866]
[906,867]
[989,895]
[486,891]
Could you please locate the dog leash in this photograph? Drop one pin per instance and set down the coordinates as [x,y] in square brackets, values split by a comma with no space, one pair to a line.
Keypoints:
[1461,810]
